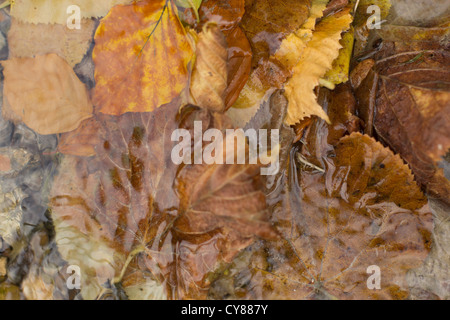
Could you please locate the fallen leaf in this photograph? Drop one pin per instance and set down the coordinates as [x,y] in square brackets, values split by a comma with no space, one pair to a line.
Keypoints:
[364,210]
[316,59]
[226,13]
[209,78]
[406,93]
[26,40]
[271,74]
[45,94]
[83,140]
[128,73]
[239,65]
[56,11]
[131,218]
[339,72]
[268,22]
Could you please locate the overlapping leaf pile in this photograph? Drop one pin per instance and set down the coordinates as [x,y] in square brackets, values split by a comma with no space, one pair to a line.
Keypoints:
[141,226]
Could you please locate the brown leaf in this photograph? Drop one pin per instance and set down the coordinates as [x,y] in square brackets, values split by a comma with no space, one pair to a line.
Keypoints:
[45,94]
[26,40]
[137,220]
[267,22]
[227,14]
[129,74]
[239,65]
[364,210]
[83,140]
[407,96]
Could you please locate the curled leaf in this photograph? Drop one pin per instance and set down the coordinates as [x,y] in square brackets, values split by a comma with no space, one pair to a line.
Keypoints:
[209,76]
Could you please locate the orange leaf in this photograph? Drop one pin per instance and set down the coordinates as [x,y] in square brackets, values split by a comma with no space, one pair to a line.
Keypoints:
[142,62]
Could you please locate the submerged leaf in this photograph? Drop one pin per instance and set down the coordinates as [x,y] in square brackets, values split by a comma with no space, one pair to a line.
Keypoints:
[365,210]
[128,56]
[407,95]
[45,94]
[130,217]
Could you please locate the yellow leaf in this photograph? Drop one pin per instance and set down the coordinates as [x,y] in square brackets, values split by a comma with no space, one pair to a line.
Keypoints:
[341,66]
[142,62]
[55,11]
[288,55]
[316,59]
[45,94]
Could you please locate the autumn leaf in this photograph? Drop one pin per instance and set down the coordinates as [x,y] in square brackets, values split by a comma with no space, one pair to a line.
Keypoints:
[272,73]
[364,210]
[193,4]
[210,74]
[26,40]
[131,218]
[227,14]
[128,73]
[55,11]
[316,59]
[83,140]
[339,72]
[406,95]
[45,94]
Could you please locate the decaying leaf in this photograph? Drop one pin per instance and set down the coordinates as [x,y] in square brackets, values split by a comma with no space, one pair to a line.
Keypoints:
[82,141]
[26,40]
[56,11]
[128,219]
[129,74]
[316,59]
[227,14]
[209,77]
[365,210]
[406,93]
[45,94]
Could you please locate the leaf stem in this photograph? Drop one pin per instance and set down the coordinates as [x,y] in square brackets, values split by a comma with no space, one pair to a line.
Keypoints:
[156,26]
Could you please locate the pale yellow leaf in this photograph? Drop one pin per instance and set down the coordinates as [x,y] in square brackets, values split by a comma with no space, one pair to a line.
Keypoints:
[29,40]
[45,93]
[55,11]
[316,60]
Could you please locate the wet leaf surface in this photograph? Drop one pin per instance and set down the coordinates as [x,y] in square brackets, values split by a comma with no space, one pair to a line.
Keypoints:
[49,82]
[44,11]
[406,95]
[122,205]
[364,210]
[128,77]
[25,40]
